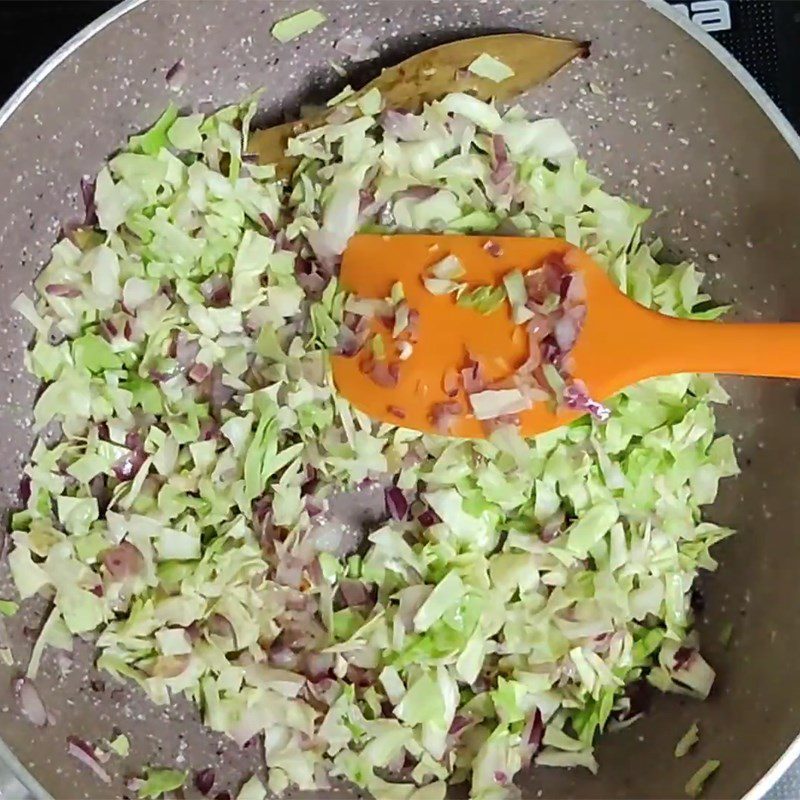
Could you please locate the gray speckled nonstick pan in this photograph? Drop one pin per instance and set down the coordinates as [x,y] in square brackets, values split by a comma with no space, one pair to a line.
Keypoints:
[679,127]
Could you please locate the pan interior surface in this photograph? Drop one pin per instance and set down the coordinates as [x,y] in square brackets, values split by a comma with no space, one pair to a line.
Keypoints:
[672,129]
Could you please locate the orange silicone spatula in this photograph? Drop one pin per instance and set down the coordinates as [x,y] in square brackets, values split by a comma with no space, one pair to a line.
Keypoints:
[621,341]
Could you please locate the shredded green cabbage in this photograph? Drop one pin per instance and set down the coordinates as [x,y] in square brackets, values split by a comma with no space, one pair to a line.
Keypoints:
[687,741]
[296,25]
[695,784]
[120,745]
[160,781]
[8,608]
[252,789]
[191,512]
[486,66]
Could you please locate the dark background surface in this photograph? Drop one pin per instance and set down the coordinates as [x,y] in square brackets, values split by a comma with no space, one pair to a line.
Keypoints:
[764,36]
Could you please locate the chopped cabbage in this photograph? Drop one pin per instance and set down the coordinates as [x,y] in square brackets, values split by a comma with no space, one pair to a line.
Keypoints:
[486,66]
[695,784]
[160,781]
[120,745]
[687,741]
[8,608]
[296,25]
[220,519]
[252,789]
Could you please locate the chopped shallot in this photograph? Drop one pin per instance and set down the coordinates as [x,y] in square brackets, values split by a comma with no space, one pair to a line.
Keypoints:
[577,397]
[87,194]
[472,377]
[357,47]
[382,373]
[84,752]
[403,126]
[450,383]
[396,503]
[123,561]
[444,415]
[176,75]
[62,290]
[30,702]
[493,248]
[204,780]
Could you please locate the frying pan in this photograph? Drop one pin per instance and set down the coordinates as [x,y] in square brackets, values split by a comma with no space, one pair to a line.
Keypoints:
[679,127]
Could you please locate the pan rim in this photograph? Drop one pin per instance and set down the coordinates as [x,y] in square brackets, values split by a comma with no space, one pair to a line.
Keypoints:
[791,136]
[8,758]
[63,52]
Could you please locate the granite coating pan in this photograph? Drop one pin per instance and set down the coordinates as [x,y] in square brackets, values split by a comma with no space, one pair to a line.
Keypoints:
[671,128]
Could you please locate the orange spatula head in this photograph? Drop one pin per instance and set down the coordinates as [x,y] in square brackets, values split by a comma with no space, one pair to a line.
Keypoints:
[620,342]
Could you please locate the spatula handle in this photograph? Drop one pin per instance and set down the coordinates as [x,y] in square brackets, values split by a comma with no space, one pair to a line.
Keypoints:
[765,349]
